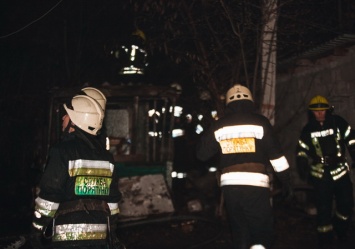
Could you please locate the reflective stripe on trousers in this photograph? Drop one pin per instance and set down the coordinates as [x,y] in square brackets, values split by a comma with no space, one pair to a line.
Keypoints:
[69,232]
[257,247]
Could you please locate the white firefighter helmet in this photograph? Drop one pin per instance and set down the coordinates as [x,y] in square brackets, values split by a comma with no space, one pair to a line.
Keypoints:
[96,94]
[86,113]
[238,92]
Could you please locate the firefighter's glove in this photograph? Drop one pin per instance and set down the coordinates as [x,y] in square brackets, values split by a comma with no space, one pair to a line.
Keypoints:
[113,223]
[41,231]
[115,243]
[287,193]
[286,189]
[36,238]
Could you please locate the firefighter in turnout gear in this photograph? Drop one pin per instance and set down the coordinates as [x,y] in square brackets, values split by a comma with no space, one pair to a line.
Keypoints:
[79,194]
[321,161]
[246,143]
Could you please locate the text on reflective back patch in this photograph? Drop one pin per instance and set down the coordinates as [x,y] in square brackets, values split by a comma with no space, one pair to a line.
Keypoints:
[92,185]
[238,145]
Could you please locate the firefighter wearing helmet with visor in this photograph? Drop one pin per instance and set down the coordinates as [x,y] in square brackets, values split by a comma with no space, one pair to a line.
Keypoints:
[321,161]
[79,195]
[247,144]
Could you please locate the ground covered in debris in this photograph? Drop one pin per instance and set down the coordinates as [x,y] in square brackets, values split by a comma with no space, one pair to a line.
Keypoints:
[294,229]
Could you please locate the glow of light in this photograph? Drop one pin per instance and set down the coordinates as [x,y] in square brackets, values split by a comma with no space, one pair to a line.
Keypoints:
[212,169]
[178,111]
[200,117]
[178,132]
[152,112]
[214,114]
[132,70]
[189,117]
[199,129]
[181,175]
[154,134]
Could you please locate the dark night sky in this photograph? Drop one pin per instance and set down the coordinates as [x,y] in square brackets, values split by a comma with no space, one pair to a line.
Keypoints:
[42,46]
[51,43]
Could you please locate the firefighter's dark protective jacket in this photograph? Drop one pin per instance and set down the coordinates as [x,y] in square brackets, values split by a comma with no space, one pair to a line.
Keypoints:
[323,147]
[79,192]
[247,144]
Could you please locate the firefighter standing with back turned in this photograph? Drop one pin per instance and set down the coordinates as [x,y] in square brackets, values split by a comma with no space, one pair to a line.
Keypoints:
[247,144]
[79,192]
[321,161]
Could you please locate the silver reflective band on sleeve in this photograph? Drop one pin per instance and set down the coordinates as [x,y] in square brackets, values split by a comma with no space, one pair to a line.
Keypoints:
[257,247]
[82,167]
[245,178]
[92,164]
[113,207]
[280,164]
[46,208]
[239,131]
[80,232]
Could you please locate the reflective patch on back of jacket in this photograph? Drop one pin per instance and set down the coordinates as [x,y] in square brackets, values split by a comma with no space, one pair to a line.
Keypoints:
[91,185]
[238,145]
[93,177]
[238,138]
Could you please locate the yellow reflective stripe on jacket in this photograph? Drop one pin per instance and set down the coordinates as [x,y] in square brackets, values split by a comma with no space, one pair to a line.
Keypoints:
[338,172]
[90,167]
[82,231]
[302,154]
[351,142]
[317,170]
[303,145]
[347,132]
[245,178]
[316,145]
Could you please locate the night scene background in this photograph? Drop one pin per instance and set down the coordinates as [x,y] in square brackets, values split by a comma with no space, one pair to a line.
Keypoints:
[202,46]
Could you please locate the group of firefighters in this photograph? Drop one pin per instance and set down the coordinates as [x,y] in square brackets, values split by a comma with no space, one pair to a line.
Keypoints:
[247,146]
